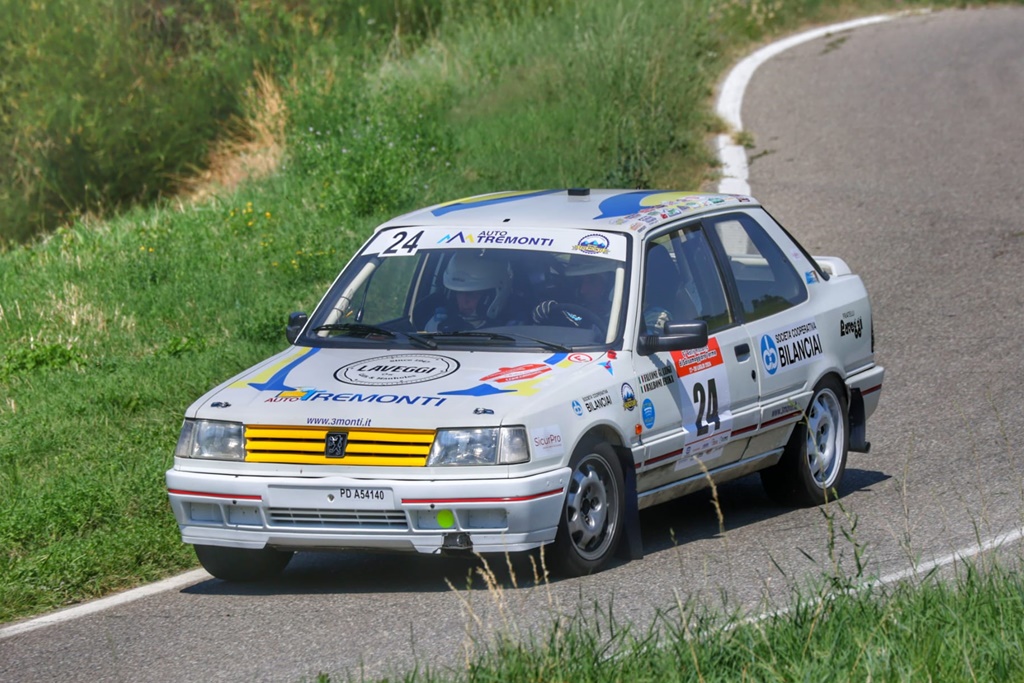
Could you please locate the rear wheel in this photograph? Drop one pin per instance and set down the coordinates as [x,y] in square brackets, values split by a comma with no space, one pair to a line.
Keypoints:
[814,460]
[242,564]
[592,517]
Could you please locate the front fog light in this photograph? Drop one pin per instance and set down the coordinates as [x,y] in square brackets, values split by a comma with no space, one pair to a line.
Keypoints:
[482,446]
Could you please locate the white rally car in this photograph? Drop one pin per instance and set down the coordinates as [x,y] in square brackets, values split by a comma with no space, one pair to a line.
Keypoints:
[520,369]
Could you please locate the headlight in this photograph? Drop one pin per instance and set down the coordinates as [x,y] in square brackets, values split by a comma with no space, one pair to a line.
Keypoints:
[212,440]
[486,446]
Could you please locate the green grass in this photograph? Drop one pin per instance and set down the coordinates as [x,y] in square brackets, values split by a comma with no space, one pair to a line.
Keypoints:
[110,327]
[965,630]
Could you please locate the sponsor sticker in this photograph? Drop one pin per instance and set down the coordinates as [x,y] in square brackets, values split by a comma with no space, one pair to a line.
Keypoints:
[628,397]
[595,401]
[848,325]
[648,413]
[398,369]
[577,408]
[691,361]
[649,381]
[790,346]
[315,395]
[547,441]
[518,373]
[497,237]
[339,421]
[595,243]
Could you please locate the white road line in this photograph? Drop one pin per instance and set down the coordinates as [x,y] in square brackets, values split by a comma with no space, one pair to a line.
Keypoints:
[962,555]
[180,581]
[730,99]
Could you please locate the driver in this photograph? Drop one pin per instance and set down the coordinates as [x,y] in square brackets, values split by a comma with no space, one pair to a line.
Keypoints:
[590,286]
[478,290]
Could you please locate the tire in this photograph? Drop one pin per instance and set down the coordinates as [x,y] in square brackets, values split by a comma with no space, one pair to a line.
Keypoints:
[802,478]
[590,526]
[242,564]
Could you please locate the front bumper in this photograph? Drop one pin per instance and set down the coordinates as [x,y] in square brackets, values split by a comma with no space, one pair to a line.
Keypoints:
[312,513]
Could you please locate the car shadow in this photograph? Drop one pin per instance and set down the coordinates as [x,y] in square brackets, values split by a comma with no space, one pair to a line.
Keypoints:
[742,502]
[695,517]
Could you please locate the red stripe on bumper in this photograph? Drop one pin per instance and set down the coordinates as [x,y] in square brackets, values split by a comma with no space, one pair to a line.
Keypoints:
[228,496]
[502,499]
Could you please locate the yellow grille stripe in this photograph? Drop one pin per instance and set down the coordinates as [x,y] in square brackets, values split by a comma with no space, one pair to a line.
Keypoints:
[320,433]
[266,446]
[366,446]
[348,460]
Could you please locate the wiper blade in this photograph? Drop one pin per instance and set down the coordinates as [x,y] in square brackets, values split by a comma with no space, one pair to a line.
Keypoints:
[482,335]
[364,330]
[554,346]
[421,340]
[467,336]
[355,329]
[497,336]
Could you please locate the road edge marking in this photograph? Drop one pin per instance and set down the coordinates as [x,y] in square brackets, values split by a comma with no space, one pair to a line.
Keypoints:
[735,169]
[179,581]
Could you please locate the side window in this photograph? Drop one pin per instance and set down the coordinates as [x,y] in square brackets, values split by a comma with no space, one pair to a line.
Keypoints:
[682,282]
[766,280]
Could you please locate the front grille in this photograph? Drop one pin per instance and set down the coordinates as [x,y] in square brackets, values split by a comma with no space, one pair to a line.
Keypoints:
[306,445]
[356,520]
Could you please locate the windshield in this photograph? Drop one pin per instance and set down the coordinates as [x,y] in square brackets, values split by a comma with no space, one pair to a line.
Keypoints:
[431,287]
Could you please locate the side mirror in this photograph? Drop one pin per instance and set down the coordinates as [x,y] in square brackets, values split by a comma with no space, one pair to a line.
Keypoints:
[296,321]
[676,337]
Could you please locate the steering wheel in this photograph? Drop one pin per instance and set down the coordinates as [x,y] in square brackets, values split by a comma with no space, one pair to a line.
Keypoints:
[574,315]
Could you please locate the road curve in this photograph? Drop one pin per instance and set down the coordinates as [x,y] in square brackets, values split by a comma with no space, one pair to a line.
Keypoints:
[896,146]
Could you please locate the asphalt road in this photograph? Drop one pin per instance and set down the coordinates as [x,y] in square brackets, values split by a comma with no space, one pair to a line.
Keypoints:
[898,147]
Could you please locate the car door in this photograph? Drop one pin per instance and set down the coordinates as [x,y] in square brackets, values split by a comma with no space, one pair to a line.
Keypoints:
[768,292]
[696,407]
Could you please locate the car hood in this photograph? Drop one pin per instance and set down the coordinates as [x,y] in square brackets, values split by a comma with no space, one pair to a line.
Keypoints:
[401,389]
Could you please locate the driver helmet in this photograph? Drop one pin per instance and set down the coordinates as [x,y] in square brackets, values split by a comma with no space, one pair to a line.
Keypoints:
[473,272]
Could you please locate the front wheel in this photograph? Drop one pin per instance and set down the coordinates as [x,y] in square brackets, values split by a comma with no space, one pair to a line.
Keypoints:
[592,516]
[814,460]
[242,564]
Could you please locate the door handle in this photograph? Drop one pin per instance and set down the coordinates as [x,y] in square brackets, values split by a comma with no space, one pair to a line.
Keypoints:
[742,351]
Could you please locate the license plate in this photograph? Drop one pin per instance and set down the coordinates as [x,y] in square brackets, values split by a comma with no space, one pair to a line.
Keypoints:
[331,498]
[365,498]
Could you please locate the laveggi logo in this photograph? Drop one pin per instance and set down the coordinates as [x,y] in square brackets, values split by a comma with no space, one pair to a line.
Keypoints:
[595,243]
[383,371]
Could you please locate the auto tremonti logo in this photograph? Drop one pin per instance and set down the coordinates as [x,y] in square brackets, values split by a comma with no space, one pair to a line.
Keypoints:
[769,354]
